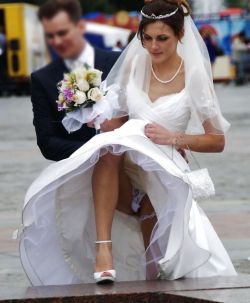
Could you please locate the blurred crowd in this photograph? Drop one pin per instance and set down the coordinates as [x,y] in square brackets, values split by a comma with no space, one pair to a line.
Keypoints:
[240,52]
[241,57]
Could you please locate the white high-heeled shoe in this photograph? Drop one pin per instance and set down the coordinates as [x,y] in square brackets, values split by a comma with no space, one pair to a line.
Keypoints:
[106,276]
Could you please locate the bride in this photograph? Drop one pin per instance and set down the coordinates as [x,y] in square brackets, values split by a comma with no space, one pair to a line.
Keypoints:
[122,201]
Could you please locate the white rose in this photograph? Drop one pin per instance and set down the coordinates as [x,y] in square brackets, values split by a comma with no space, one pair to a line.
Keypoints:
[66,77]
[95,94]
[80,73]
[83,85]
[94,77]
[80,97]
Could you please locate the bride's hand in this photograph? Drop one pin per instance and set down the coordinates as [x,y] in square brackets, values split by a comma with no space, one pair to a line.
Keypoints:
[159,134]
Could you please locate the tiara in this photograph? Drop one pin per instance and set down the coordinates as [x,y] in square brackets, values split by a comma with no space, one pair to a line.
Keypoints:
[153,16]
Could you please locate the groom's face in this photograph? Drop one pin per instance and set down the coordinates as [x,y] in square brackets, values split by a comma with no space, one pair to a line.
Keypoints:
[64,35]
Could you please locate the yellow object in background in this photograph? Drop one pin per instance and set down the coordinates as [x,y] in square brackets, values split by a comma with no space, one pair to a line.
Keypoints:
[26,49]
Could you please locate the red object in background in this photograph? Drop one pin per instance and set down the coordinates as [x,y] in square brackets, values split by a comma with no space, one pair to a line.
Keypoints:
[134,23]
[208,28]
[101,18]
[121,19]
[231,11]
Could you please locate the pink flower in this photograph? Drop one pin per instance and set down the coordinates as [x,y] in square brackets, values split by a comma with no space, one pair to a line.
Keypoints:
[68,94]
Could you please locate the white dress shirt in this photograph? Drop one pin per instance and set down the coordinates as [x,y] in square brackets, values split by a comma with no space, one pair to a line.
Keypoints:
[87,56]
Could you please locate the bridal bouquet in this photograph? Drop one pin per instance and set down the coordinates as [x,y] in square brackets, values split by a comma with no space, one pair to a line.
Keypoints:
[83,97]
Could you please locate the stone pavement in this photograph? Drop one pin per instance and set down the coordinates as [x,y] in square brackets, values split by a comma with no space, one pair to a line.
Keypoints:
[229,211]
[203,290]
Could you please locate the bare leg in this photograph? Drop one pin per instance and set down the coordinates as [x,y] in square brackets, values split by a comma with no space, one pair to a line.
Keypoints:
[146,209]
[148,220]
[105,184]
[110,181]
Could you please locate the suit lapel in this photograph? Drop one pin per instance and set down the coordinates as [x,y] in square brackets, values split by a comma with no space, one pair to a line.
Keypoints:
[60,69]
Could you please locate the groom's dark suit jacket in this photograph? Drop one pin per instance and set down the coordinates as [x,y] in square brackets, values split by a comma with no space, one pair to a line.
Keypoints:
[53,140]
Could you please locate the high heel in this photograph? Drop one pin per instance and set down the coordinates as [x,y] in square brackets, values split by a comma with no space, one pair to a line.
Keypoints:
[106,276]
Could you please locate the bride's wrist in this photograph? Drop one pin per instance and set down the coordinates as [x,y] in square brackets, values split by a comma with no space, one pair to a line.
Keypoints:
[177,140]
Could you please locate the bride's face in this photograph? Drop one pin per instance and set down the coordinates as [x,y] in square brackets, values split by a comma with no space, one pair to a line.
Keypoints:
[160,41]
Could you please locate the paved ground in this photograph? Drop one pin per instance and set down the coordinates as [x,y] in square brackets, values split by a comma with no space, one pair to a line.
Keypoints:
[200,290]
[229,211]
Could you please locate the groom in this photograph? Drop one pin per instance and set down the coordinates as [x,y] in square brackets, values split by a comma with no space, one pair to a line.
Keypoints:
[64,29]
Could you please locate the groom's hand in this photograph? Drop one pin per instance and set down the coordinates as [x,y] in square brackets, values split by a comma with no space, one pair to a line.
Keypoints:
[109,125]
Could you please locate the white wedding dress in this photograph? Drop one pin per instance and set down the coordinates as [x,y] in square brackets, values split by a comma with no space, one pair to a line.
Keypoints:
[58,240]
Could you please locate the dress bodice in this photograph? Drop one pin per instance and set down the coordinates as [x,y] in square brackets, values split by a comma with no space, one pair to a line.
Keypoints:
[171,111]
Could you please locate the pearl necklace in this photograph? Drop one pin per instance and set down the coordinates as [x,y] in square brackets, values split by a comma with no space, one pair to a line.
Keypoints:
[167,81]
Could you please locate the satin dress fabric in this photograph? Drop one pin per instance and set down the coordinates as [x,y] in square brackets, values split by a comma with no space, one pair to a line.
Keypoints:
[58,240]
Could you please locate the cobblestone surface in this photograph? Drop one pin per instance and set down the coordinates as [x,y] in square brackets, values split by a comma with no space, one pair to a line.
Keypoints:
[229,211]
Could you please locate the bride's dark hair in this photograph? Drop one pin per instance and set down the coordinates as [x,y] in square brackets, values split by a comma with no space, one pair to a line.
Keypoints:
[163,7]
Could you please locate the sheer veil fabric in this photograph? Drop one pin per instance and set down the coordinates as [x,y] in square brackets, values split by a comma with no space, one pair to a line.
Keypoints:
[57,242]
[198,78]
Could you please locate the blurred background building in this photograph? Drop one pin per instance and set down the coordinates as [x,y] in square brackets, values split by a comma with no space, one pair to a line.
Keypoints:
[207,6]
[109,22]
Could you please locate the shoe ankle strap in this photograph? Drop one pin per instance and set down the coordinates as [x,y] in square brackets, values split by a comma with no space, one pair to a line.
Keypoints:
[103,241]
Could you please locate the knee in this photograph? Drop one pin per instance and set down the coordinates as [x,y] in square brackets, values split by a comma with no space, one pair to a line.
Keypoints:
[110,160]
